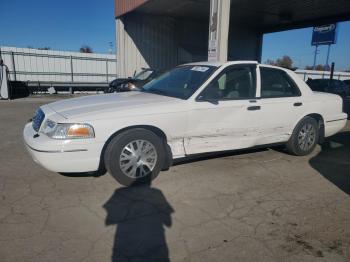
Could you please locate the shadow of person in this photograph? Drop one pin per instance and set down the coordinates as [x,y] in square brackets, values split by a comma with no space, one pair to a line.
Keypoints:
[333,162]
[140,213]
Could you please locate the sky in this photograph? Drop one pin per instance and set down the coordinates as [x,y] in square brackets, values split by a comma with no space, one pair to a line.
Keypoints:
[69,24]
[58,24]
[297,44]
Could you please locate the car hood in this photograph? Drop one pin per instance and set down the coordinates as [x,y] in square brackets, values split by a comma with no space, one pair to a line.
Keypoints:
[124,104]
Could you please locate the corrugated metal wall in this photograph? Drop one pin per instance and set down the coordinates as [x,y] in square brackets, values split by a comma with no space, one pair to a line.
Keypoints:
[244,43]
[159,42]
[145,42]
[48,65]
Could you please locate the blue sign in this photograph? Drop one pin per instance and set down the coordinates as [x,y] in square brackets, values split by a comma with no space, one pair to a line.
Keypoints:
[324,35]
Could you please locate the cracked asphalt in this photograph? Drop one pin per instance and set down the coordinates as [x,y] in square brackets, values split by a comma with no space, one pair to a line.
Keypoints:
[261,205]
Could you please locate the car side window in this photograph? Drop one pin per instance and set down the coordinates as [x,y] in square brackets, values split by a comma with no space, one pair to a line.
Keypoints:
[276,83]
[234,83]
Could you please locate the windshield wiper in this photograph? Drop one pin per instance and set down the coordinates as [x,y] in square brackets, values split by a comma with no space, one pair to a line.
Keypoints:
[155,91]
[159,92]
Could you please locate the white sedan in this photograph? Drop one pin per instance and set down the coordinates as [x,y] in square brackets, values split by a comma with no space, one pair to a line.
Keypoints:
[192,109]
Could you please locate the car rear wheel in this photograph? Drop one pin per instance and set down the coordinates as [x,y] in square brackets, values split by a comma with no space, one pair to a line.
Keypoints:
[304,138]
[134,156]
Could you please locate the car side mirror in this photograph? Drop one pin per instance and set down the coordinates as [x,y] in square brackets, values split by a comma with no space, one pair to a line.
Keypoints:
[202,98]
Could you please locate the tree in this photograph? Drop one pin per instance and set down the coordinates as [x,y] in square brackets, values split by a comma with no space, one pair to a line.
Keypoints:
[309,67]
[320,68]
[284,61]
[85,49]
[44,48]
[40,48]
[270,62]
[317,68]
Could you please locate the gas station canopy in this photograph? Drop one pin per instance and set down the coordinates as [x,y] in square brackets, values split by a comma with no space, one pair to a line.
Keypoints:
[164,33]
[268,15]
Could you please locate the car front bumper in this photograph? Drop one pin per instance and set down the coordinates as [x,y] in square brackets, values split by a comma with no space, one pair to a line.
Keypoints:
[63,156]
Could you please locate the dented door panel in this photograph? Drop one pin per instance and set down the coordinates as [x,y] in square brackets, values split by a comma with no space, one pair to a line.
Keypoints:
[225,126]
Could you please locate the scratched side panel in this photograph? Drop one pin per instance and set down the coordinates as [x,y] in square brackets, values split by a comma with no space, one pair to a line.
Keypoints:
[226,126]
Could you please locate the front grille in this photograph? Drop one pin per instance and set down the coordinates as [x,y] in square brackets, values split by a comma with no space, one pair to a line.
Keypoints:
[38,119]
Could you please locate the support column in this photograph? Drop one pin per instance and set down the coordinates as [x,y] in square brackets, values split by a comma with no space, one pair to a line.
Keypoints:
[145,40]
[219,30]
[120,48]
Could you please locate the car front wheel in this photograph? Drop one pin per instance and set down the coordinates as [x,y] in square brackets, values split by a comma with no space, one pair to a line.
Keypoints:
[134,156]
[304,138]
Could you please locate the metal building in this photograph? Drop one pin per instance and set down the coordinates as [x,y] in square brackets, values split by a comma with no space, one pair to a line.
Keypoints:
[33,65]
[164,33]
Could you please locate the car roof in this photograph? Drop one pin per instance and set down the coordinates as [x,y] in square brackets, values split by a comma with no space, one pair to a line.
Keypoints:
[218,64]
[324,80]
[228,63]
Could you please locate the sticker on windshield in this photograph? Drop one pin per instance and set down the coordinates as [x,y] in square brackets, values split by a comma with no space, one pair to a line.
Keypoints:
[200,68]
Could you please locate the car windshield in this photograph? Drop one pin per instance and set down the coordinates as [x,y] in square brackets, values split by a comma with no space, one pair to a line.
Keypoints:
[180,82]
[143,75]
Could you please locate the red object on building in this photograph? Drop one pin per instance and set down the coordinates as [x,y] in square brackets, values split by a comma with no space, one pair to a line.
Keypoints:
[124,6]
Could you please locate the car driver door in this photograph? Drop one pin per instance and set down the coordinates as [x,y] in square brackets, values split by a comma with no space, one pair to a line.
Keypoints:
[225,114]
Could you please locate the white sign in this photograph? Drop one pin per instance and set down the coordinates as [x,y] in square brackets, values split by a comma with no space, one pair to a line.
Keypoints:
[213,24]
[200,68]
[4,91]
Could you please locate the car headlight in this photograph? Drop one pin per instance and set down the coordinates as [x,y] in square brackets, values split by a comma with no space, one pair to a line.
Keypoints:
[132,87]
[67,131]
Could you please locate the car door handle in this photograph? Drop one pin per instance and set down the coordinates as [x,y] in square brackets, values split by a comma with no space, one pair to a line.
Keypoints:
[252,108]
[298,104]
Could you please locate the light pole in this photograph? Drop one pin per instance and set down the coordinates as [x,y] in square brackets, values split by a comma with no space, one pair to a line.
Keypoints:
[315,57]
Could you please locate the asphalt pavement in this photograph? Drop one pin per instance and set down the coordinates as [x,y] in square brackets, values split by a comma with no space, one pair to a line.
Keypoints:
[260,205]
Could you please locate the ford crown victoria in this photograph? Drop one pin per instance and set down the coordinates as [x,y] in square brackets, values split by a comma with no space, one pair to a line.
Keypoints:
[191,109]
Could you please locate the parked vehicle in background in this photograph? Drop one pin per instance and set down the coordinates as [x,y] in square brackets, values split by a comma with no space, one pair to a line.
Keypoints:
[347,82]
[192,109]
[333,86]
[132,83]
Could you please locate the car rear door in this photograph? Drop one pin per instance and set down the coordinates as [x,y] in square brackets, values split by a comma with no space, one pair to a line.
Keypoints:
[225,115]
[281,105]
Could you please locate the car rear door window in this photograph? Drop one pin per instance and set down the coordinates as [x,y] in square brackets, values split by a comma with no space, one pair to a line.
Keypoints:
[234,83]
[277,83]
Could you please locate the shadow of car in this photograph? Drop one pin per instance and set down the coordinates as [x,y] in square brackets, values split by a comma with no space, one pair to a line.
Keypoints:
[333,162]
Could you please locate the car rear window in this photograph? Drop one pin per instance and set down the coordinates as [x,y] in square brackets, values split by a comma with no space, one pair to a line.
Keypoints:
[276,83]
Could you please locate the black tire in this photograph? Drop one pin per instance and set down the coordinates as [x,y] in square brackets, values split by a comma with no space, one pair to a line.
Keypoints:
[114,150]
[108,90]
[293,145]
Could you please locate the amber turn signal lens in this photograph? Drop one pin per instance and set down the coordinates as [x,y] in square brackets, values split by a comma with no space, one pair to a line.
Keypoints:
[79,131]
